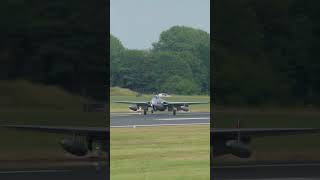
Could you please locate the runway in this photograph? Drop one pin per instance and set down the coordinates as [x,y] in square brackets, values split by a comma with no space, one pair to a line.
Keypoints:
[267,171]
[119,120]
[252,171]
[57,172]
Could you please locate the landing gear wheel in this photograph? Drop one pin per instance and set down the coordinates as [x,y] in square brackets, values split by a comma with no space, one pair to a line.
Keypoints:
[99,154]
[90,144]
[174,112]
[152,111]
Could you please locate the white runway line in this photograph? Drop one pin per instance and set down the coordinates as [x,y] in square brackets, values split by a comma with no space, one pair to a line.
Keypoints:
[155,125]
[175,119]
[123,114]
[279,179]
[137,113]
[267,165]
[32,171]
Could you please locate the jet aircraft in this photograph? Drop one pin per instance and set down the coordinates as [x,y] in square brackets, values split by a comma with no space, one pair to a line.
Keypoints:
[159,104]
[236,141]
[84,140]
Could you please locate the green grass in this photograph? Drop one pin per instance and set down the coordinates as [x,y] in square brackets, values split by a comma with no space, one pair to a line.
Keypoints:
[116,107]
[170,153]
[22,94]
[26,103]
[118,91]
[293,147]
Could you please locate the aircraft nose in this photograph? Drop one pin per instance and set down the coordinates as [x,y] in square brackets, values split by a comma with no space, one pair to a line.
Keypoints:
[153,102]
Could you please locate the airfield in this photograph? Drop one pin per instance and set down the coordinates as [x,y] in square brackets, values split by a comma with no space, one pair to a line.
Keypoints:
[271,170]
[123,120]
[257,171]
[53,171]
[293,157]
[134,122]
[160,145]
[152,125]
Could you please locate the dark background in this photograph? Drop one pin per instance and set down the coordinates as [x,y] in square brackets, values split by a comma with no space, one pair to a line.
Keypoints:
[265,73]
[61,43]
[266,53]
[53,63]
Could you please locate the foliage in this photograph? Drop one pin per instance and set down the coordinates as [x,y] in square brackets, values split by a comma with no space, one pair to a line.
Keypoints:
[178,63]
[266,52]
[54,42]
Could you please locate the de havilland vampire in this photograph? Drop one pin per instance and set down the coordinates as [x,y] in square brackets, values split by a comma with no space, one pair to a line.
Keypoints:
[236,141]
[159,104]
[83,140]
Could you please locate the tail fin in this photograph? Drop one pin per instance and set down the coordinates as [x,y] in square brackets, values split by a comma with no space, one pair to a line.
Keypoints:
[238,124]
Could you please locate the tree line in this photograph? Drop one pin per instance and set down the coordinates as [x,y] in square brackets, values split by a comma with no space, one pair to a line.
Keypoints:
[266,52]
[178,63]
[61,43]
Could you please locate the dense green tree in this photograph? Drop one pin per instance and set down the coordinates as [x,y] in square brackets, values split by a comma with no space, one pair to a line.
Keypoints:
[193,45]
[177,63]
[54,42]
[178,84]
[266,52]
[116,54]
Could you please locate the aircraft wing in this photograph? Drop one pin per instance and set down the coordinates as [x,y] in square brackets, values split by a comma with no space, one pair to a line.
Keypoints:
[185,103]
[133,102]
[98,133]
[259,132]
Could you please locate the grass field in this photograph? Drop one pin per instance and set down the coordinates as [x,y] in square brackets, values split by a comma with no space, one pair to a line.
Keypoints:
[293,147]
[171,153]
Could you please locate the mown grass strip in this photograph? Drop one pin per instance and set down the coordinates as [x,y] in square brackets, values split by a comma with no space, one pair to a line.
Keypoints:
[160,153]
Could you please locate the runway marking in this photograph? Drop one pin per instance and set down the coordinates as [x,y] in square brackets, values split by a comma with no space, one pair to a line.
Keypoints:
[175,119]
[123,115]
[32,171]
[279,179]
[140,114]
[267,165]
[155,125]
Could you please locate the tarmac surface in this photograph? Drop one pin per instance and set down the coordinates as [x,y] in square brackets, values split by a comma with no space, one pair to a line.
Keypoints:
[267,171]
[53,172]
[119,120]
[241,171]
[272,170]
[90,170]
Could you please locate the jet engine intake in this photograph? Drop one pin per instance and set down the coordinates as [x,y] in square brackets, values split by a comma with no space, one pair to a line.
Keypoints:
[74,147]
[134,108]
[239,149]
[183,108]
